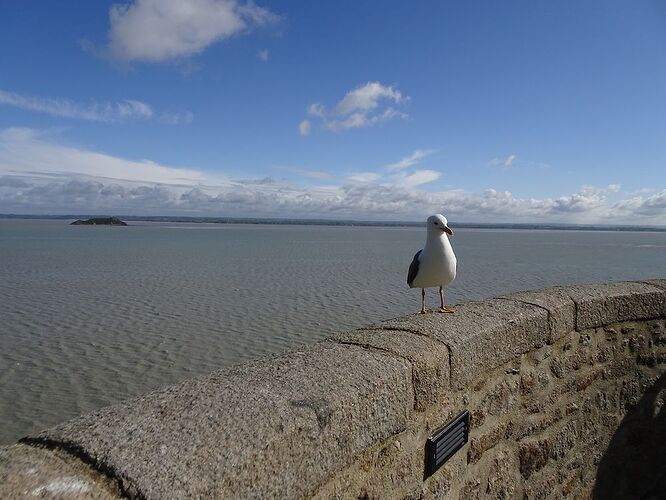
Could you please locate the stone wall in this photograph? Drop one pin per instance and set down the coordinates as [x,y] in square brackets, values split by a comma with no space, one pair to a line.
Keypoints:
[565,389]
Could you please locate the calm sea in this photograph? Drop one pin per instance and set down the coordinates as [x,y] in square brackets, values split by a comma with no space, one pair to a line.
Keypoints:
[91,315]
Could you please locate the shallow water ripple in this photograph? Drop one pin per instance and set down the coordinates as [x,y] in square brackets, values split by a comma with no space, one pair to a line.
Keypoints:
[93,315]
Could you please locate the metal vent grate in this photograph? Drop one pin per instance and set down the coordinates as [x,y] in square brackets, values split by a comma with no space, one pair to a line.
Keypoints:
[443,444]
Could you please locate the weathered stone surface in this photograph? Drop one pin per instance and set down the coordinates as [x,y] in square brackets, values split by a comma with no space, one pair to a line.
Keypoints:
[659,283]
[500,397]
[652,359]
[471,490]
[600,305]
[485,440]
[561,309]
[528,379]
[534,424]
[503,477]
[632,464]
[273,428]
[584,380]
[533,456]
[428,357]
[481,335]
[27,472]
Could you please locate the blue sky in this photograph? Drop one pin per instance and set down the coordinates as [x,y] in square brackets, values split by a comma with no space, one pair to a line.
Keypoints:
[484,111]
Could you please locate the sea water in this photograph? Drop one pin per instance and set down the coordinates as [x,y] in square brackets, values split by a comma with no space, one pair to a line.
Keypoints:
[90,315]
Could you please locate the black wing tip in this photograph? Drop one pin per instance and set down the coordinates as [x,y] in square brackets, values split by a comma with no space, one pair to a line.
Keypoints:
[413,269]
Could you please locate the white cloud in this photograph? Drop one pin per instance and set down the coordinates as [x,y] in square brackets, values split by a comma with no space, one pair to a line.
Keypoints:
[317,109]
[314,174]
[502,162]
[419,177]
[364,106]
[586,200]
[264,54]
[362,120]
[127,109]
[364,177]
[304,127]
[38,175]
[104,112]
[366,98]
[26,151]
[399,175]
[395,174]
[638,206]
[176,118]
[159,30]
[411,160]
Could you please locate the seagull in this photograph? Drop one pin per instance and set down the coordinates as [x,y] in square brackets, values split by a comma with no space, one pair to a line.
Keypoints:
[435,264]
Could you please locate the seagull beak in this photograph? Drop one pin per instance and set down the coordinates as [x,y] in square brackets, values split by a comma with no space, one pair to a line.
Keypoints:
[448,230]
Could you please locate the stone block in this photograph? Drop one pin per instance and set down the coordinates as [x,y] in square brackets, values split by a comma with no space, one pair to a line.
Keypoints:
[555,444]
[652,359]
[659,283]
[528,379]
[471,490]
[584,380]
[477,416]
[501,397]
[428,357]
[561,309]
[481,335]
[273,428]
[529,425]
[563,441]
[29,472]
[601,305]
[533,456]
[486,440]
[571,483]
[503,479]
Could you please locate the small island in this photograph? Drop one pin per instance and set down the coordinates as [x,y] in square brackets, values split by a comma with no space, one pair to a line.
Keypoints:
[106,221]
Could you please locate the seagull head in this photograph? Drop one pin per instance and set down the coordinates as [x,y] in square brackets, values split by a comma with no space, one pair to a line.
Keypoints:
[438,224]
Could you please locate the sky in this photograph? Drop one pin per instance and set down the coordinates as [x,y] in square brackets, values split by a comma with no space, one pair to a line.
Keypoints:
[485,111]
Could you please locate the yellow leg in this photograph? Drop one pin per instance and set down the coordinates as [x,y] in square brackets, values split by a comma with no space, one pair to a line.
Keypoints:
[442,308]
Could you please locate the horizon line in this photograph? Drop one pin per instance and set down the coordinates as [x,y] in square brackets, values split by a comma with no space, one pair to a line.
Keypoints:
[323,221]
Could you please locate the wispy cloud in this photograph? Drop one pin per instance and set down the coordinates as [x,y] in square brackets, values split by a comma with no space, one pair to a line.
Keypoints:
[161,30]
[387,176]
[411,160]
[304,128]
[27,152]
[313,174]
[366,98]
[108,112]
[502,162]
[365,177]
[127,109]
[419,177]
[38,175]
[400,173]
[365,106]
[263,55]
[176,118]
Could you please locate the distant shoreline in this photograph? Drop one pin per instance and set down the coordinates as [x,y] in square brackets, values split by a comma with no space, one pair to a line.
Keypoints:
[344,222]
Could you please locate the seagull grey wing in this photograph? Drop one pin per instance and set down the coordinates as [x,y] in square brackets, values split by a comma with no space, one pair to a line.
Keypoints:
[413,269]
